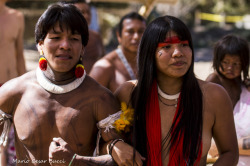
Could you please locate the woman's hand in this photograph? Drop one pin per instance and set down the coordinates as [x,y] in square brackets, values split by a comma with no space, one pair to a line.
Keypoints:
[122,153]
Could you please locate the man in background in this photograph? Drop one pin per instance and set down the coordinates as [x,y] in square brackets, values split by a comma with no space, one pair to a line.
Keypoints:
[95,49]
[120,65]
[12,62]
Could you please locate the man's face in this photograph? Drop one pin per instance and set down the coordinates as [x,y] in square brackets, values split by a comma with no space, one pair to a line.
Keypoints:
[131,34]
[85,10]
[62,48]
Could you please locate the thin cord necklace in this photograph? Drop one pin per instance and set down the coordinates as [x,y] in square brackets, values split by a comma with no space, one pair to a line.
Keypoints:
[166,96]
[170,105]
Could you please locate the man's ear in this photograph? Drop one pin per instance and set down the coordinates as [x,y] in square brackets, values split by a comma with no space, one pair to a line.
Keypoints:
[82,51]
[39,46]
[118,37]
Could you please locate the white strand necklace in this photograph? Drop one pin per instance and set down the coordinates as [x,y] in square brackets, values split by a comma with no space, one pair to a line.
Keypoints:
[166,96]
[57,89]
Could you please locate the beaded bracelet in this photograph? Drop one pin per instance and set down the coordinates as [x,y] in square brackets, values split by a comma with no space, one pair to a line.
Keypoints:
[72,159]
[112,144]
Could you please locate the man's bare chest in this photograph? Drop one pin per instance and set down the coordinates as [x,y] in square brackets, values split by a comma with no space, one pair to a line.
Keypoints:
[8,30]
[37,122]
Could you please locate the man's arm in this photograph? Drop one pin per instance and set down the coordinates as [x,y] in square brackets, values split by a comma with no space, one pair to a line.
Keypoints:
[123,152]
[19,46]
[102,72]
[58,148]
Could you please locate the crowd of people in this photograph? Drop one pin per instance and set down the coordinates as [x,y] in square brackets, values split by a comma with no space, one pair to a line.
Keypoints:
[140,104]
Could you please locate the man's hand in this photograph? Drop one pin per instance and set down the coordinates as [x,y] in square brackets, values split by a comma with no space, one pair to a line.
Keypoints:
[122,153]
[60,152]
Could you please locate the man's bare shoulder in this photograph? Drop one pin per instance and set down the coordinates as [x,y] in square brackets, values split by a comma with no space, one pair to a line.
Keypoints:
[123,93]
[18,84]
[15,13]
[95,87]
[108,60]
[12,91]
[104,67]
[97,91]
[102,98]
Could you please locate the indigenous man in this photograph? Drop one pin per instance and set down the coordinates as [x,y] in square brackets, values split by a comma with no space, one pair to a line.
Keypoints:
[58,99]
[11,43]
[12,62]
[120,65]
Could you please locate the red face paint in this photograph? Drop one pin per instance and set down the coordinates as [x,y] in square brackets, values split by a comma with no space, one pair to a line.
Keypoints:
[172,40]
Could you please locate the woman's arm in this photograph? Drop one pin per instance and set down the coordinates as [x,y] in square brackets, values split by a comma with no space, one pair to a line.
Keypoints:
[223,129]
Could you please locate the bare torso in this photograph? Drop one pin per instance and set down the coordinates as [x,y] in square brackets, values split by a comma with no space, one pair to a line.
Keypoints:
[167,115]
[11,29]
[39,116]
[93,51]
[111,72]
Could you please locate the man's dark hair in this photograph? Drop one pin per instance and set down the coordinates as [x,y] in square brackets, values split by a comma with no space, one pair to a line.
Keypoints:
[132,15]
[67,15]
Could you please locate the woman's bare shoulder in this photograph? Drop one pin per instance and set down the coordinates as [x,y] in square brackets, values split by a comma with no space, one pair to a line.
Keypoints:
[212,89]
[123,93]
[215,95]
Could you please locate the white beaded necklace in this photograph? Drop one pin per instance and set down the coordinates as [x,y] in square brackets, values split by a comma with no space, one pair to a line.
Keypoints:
[57,89]
[166,96]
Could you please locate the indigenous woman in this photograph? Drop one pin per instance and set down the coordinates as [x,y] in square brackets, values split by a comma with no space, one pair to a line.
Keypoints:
[176,114]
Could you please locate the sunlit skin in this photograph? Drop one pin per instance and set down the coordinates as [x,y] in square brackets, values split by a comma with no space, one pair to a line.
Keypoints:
[12,63]
[62,49]
[173,57]
[85,10]
[231,65]
[40,115]
[110,71]
[131,35]
[229,77]
[94,49]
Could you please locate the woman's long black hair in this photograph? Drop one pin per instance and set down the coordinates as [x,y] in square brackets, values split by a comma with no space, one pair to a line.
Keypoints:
[191,96]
